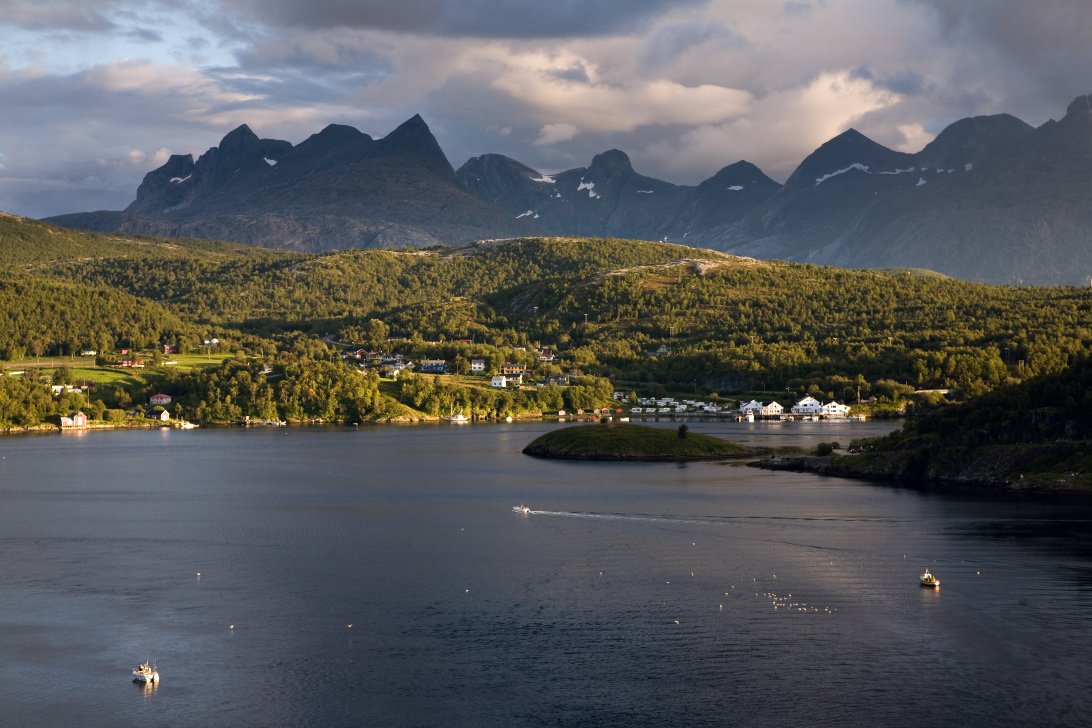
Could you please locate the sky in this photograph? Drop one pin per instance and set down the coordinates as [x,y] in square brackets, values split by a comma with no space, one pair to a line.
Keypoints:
[96,93]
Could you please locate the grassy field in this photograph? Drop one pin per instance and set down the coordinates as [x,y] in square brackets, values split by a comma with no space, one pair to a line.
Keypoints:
[83,368]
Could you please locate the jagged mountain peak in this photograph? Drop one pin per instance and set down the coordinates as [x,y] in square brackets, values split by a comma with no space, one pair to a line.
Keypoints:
[238,141]
[1080,106]
[492,162]
[972,139]
[851,151]
[411,134]
[740,173]
[610,162]
[414,138]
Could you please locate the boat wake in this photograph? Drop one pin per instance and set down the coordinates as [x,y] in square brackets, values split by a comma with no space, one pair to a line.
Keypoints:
[713,520]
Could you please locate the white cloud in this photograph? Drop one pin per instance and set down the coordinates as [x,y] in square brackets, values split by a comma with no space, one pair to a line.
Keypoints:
[780,130]
[606,103]
[554,133]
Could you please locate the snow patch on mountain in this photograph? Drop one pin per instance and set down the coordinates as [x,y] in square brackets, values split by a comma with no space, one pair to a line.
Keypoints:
[735,188]
[544,179]
[855,165]
[180,180]
[590,187]
[269,161]
[526,214]
[900,171]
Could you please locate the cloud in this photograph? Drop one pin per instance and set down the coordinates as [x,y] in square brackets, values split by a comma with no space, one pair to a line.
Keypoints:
[554,133]
[464,18]
[603,103]
[683,87]
[1027,57]
[53,15]
[779,130]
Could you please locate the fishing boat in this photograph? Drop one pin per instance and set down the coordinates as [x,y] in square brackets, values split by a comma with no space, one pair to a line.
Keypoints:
[460,417]
[929,580]
[525,510]
[145,673]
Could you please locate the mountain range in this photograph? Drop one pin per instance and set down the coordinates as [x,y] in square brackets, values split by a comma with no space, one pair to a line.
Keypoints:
[990,199]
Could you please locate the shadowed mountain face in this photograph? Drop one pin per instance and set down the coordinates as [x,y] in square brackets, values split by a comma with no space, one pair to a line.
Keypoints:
[608,198]
[990,199]
[337,189]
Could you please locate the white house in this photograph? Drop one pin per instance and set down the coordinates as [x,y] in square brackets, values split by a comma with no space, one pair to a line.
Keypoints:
[477,365]
[773,409]
[499,381]
[834,409]
[807,406]
[753,407]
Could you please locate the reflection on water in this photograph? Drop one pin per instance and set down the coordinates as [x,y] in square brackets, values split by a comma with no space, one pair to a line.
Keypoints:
[378,576]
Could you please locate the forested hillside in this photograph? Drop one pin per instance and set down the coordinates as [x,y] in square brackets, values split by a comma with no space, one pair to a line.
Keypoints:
[645,313]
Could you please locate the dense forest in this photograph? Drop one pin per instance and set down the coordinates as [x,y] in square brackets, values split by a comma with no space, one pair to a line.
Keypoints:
[653,317]
[1032,435]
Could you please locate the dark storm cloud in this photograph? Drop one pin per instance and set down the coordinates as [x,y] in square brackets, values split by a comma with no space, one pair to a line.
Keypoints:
[669,42]
[1042,48]
[475,18]
[907,83]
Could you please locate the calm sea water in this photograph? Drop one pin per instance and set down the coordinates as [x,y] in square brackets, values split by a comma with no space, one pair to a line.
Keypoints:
[635,595]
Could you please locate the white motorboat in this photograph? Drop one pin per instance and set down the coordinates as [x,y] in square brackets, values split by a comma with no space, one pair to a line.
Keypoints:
[145,673]
[929,580]
[525,510]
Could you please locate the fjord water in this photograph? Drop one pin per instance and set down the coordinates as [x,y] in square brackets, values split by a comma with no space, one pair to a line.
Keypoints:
[636,594]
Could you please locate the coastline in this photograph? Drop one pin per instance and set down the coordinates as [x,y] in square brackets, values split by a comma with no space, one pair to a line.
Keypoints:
[994,468]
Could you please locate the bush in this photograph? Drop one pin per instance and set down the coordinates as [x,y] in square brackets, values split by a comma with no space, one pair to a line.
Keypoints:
[826,448]
[681,432]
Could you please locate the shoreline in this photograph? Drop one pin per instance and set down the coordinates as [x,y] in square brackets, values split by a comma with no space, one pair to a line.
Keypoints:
[889,473]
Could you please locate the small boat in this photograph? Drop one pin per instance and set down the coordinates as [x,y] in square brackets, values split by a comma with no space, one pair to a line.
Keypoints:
[457,418]
[525,510]
[929,580]
[145,673]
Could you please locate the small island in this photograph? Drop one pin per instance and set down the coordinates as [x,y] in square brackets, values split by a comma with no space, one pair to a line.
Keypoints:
[634,442]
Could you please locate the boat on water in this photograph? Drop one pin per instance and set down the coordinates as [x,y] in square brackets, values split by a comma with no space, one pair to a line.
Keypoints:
[460,417]
[929,580]
[525,510]
[146,673]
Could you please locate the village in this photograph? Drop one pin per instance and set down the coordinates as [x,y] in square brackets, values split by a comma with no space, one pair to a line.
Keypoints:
[496,372]
[807,408]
